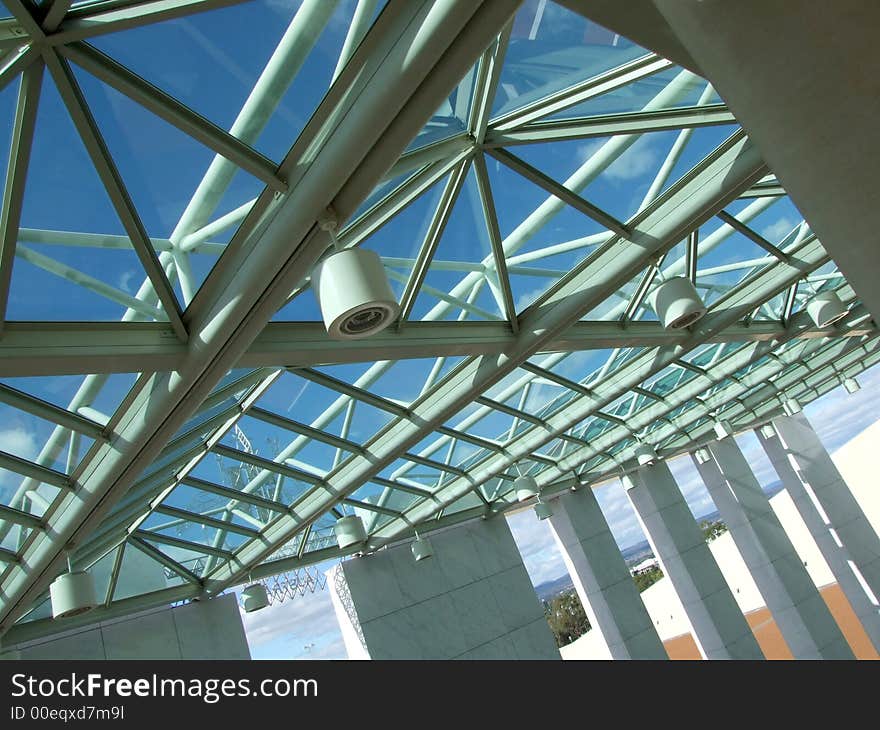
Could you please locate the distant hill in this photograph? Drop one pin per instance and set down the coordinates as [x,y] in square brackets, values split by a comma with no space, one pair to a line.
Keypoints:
[632,554]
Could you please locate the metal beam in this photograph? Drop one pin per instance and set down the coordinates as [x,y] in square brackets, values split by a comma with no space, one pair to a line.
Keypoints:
[50,412]
[87,21]
[405,67]
[751,235]
[607,81]
[100,156]
[731,168]
[560,191]
[172,111]
[58,348]
[16,176]
[610,125]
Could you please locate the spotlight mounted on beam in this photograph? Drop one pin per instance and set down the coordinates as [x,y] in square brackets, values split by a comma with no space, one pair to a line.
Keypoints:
[825,308]
[72,593]
[723,429]
[349,531]
[421,548]
[645,454]
[543,510]
[352,290]
[254,597]
[526,487]
[677,303]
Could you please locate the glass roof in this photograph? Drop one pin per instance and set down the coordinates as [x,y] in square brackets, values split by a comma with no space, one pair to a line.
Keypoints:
[163,350]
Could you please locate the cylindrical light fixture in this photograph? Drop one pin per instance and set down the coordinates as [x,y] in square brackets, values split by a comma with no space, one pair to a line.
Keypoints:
[349,530]
[254,597]
[421,548]
[702,456]
[354,294]
[677,303]
[723,429]
[543,511]
[72,594]
[851,385]
[825,308]
[645,454]
[791,406]
[526,487]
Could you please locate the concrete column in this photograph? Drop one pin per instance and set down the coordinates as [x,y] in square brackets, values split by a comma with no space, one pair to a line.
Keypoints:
[833,551]
[818,471]
[799,78]
[718,626]
[602,579]
[798,609]
[472,600]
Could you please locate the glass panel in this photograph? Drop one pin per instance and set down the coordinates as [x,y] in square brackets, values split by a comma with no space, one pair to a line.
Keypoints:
[552,48]
[96,274]
[207,65]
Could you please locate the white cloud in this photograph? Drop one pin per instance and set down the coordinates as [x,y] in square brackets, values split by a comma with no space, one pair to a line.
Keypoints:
[776,231]
[125,281]
[638,159]
[18,441]
[301,628]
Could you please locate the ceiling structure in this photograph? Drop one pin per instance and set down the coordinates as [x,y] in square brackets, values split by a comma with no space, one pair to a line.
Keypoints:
[175,417]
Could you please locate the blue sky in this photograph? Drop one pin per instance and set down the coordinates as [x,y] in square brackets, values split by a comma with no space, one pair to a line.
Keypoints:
[306,627]
[205,65]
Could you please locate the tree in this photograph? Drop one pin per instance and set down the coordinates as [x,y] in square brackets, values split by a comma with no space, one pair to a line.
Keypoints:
[646,578]
[712,529]
[566,616]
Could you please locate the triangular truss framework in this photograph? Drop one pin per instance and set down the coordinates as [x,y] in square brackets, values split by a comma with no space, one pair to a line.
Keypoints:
[205,470]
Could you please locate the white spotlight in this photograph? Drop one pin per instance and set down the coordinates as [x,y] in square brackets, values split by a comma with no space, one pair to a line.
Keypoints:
[851,385]
[421,548]
[677,303]
[354,294]
[645,454]
[526,487]
[349,530]
[723,429]
[72,594]
[768,431]
[254,597]
[826,308]
[543,511]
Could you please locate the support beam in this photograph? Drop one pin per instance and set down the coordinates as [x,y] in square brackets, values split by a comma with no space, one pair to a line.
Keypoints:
[406,65]
[602,579]
[717,624]
[813,122]
[833,552]
[788,591]
[817,470]
[74,348]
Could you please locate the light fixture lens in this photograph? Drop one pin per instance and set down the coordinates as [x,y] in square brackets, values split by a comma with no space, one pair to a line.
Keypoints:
[349,530]
[72,594]
[526,487]
[677,303]
[353,294]
[254,597]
